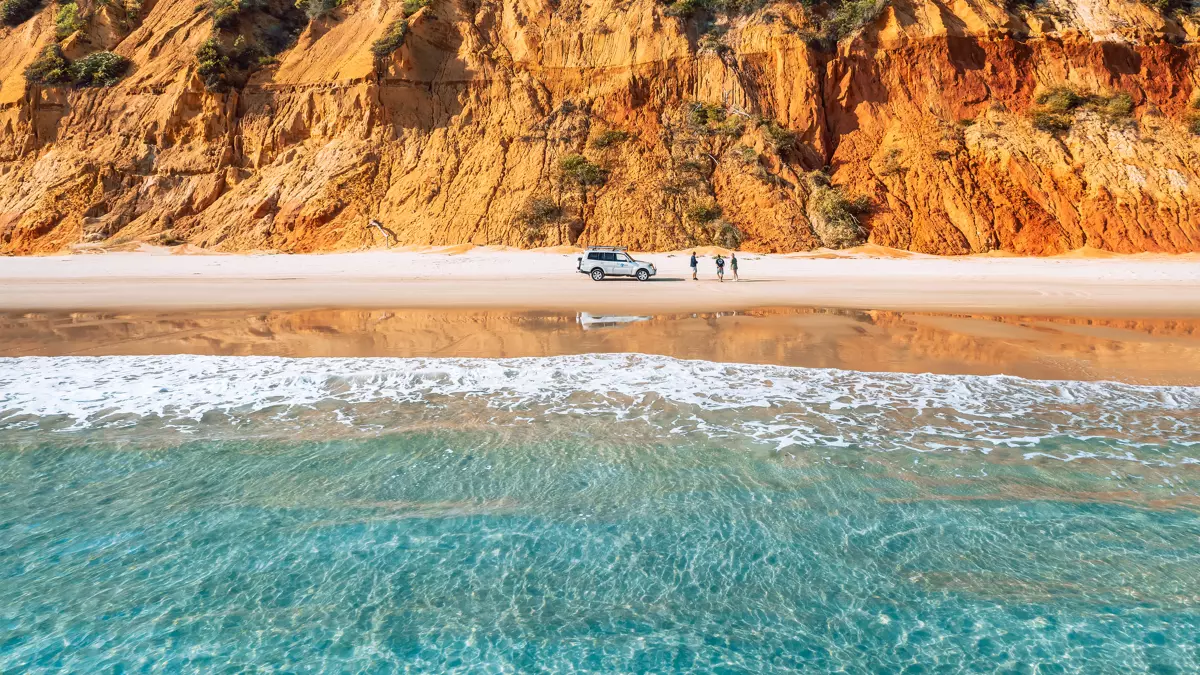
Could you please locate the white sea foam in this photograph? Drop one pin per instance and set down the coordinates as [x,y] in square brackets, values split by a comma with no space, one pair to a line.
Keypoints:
[782,406]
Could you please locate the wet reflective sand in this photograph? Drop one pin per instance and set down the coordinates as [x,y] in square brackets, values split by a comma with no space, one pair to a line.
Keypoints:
[1151,351]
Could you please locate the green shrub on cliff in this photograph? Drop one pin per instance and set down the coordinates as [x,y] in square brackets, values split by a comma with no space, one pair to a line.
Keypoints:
[849,16]
[67,20]
[49,68]
[833,215]
[1060,100]
[212,65]
[392,40]
[1051,122]
[702,214]
[582,172]
[99,69]
[1057,107]
[17,12]
[413,6]
[779,137]
[687,8]
[610,138]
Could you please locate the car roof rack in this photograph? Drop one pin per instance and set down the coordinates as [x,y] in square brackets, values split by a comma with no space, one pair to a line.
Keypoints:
[608,248]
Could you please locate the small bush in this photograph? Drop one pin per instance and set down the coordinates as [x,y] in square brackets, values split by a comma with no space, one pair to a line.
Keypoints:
[99,69]
[1117,106]
[212,65]
[966,123]
[1060,100]
[833,215]
[732,127]
[702,214]
[392,40]
[583,172]
[892,164]
[1193,123]
[702,115]
[244,54]
[610,138]
[67,20]
[315,9]
[849,17]
[1051,122]
[225,13]
[685,8]
[17,12]
[413,6]
[780,138]
[725,234]
[713,41]
[49,68]
[1059,105]
[540,211]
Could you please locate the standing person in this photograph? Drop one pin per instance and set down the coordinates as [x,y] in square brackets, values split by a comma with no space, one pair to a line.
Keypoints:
[694,263]
[720,268]
[733,264]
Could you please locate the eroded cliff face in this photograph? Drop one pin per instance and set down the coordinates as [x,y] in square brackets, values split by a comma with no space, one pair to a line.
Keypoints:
[458,136]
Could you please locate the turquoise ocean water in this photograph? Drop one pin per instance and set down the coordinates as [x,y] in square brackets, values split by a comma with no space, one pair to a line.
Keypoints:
[614,513]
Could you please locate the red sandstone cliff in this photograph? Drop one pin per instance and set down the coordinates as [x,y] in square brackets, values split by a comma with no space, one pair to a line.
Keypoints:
[458,135]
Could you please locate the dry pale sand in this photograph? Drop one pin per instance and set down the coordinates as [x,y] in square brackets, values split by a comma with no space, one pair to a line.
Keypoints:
[478,278]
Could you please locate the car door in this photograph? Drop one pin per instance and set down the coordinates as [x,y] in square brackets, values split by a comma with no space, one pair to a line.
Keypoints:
[625,263]
[611,266]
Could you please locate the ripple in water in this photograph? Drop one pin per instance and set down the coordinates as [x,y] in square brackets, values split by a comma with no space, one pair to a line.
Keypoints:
[604,513]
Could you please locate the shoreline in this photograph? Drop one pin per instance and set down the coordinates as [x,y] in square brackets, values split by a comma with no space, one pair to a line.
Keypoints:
[485,279]
[1152,352]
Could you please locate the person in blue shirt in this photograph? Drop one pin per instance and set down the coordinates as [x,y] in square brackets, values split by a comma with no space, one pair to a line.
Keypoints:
[694,264]
[720,268]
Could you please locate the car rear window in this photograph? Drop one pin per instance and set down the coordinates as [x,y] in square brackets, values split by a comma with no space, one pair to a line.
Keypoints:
[595,256]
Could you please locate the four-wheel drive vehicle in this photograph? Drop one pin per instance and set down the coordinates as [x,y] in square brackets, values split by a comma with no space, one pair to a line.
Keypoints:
[611,261]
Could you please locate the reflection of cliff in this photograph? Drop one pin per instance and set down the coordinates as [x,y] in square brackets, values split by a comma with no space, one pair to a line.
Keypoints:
[1158,351]
[925,113]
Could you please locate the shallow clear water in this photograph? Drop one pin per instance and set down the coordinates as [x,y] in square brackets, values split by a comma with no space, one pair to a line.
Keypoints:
[591,513]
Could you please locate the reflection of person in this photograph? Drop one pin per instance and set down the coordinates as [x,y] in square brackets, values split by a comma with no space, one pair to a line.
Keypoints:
[720,268]
[733,265]
[694,263]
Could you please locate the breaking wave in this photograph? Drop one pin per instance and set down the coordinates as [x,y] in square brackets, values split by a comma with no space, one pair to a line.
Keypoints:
[780,406]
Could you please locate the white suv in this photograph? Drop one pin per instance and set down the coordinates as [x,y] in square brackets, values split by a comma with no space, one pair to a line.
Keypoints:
[601,261]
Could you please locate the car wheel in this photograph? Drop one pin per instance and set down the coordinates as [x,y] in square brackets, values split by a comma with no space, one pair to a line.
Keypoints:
[643,275]
[597,274]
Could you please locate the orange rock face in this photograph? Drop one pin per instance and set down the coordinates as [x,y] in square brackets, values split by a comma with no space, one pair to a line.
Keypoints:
[458,136]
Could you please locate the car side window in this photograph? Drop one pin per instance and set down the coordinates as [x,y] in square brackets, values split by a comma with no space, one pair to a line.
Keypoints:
[610,257]
[623,258]
[595,256]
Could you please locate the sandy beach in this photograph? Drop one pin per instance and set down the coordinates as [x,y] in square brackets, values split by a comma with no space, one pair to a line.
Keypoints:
[481,278]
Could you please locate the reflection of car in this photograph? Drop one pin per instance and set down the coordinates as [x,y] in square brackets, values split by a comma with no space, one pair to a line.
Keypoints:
[611,261]
[591,321]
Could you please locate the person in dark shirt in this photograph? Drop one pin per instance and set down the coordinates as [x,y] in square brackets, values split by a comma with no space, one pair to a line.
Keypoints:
[720,268]
[694,263]
[733,265]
